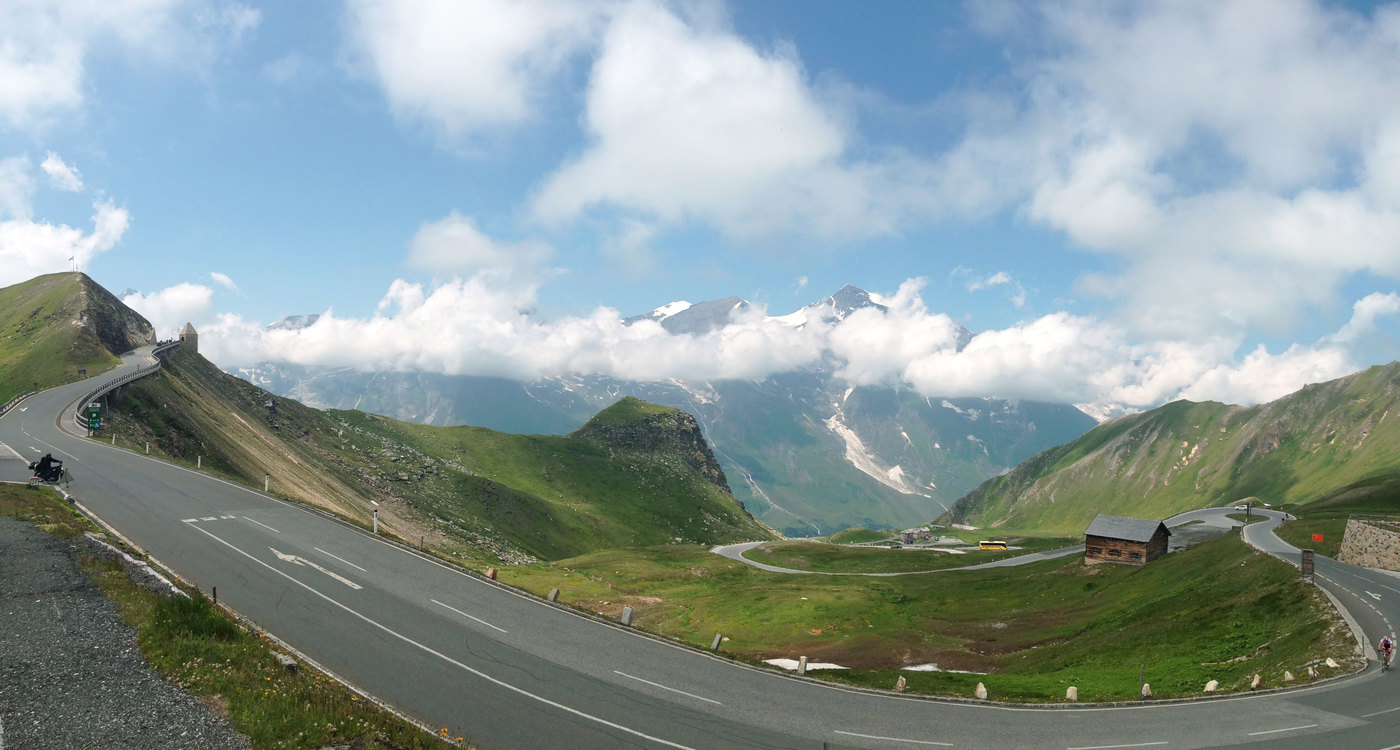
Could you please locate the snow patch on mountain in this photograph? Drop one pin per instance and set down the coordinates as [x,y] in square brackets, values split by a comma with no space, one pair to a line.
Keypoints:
[972,414]
[863,459]
[666,311]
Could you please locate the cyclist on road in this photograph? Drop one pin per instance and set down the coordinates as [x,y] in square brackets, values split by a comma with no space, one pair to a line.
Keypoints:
[1387,647]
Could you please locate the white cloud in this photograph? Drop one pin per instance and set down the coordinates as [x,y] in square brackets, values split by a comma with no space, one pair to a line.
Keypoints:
[1016,292]
[223,280]
[464,68]
[454,245]
[1239,164]
[477,327]
[29,248]
[44,45]
[689,122]
[170,309]
[62,175]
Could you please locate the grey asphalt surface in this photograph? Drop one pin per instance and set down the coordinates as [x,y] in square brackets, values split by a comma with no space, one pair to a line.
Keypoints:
[508,671]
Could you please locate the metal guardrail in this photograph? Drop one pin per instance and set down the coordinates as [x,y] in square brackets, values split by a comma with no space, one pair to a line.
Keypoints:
[81,419]
[14,401]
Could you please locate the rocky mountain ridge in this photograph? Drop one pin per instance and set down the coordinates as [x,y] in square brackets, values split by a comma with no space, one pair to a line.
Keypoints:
[1184,455]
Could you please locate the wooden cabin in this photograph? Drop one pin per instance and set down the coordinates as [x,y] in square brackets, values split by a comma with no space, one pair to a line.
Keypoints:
[1124,540]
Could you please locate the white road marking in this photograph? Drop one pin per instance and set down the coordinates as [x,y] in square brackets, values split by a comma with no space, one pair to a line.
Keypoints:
[189,520]
[293,559]
[1377,597]
[228,518]
[347,562]
[663,687]
[894,739]
[429,650]
[469,617]
[265,526]
[1378,713]
[209,518]
[1277,731]
[1114,747]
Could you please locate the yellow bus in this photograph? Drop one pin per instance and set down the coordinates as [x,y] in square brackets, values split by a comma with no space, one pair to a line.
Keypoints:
[998,544]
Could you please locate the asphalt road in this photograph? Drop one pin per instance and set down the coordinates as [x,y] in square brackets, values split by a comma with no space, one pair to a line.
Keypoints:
[509,671]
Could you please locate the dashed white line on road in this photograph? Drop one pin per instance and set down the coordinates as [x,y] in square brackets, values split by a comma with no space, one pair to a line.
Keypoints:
[895,739]
[469,617]
[209,518]
[1115,747]
[1378,713]
[347,562]
[265,526]
[189,520]
[438,654]
[1278,731]
[663,687]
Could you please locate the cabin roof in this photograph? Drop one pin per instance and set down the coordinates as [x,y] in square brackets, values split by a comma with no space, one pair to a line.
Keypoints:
[1120,527]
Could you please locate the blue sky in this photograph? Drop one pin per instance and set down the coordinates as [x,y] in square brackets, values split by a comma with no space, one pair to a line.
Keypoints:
[1128,202]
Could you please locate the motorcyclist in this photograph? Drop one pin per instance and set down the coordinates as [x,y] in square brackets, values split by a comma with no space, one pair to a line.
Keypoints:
[47,468]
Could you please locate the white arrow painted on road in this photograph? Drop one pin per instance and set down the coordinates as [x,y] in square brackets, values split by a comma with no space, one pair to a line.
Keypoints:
[1377,597]
[303,561]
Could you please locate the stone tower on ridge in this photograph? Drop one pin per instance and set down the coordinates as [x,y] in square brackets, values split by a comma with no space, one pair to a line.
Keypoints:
[189,338]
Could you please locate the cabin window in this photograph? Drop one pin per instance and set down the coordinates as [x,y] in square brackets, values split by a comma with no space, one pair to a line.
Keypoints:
[1096,550]
[1115,553]
[1135,556]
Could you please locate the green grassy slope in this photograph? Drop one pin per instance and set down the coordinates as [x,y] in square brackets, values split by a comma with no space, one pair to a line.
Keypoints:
[471,493]
[52,326]
[1298,449]
[1215,611]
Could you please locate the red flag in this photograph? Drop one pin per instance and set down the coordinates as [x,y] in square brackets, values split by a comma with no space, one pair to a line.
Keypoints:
[1317,537]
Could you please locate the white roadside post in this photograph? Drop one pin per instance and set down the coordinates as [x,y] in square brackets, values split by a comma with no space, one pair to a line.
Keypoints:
[376,516]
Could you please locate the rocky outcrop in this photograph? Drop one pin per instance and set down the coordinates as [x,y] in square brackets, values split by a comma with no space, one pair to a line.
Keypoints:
[668,430]
[118,327]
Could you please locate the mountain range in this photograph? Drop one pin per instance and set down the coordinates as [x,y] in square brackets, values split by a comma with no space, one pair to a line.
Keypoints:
[1325,440]
[805,452]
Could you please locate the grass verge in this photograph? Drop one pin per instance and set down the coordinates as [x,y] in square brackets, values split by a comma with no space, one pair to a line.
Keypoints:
[199,648]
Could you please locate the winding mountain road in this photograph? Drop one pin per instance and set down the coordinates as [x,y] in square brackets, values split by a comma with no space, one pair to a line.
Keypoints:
[509,671]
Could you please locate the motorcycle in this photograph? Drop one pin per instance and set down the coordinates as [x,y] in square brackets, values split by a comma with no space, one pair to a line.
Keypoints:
[53,474]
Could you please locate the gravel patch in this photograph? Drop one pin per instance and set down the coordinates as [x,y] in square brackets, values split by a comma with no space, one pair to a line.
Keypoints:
[71,675]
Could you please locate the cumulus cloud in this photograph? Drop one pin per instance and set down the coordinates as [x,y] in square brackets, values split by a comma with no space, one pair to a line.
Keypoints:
[1238,165]
[473,326]
[44,45]
[455,245]
[29,248]
[687,121]
[170,309]
[464,68]
[62,175]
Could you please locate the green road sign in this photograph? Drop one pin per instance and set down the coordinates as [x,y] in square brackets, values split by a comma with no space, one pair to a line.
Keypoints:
[94,416]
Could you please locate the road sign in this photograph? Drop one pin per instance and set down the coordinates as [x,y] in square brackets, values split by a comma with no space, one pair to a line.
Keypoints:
[1317,537]
[1307,566]
[94,416]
